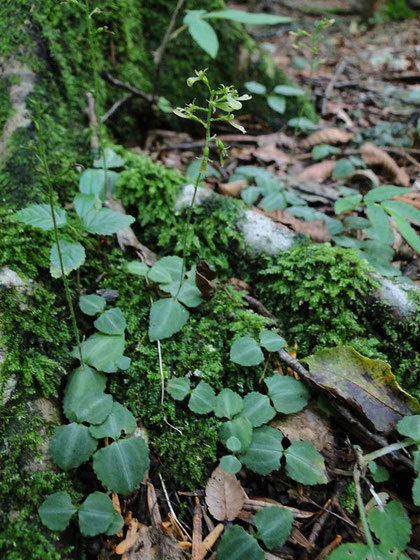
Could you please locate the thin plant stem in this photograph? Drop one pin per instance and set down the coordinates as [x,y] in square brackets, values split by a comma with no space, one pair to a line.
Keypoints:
[361,508]
[385,450]
[43,160]
[196,184]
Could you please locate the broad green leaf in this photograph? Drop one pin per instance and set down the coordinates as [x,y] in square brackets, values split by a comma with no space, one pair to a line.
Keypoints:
[304,464]
[342,169]
[416,457]
[179,387]
[288,395]
[71,445]
[277,103]
[366,385]
[111,321]
[72,254]
[248,18]
[166,270]
[257,409]
[271,341]
[236,544]
[385,192]
[388,553]
[119,419]
[302,123]
[93,408]
[250,194]
[82,381]
[256,87]
[108,160]
[39,216]
[102,351]
[378,473]
[240,428]
[407,211]
[95,514]
[233,444]
[122,465]
[204,35]
[194,167]
[265,451]
[289,91]
[273,201]
[138,268]
[92,181]
[92,304]
[323,150]
[391,526]
[117,524]
[56,511]
[228,404]
[202,399]
[274,526]
[230,464]
[347,203]
[106,222]
[191,15]
[416,491]
[84,203]
[246,352]
[305,212]
[379,220]
[350,551]
[167,317]
[410,427]
[409,234]
[354,222]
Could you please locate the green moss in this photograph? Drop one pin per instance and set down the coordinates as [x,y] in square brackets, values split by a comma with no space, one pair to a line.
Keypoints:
[5,103]
[348,498]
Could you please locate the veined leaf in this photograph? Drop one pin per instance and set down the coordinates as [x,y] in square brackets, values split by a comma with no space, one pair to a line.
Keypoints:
[271,341]
[179,387]
[138,268]
[305,464]
[230,464]
[92,304]
[246,352]
[228,404]
[410,427]
[347,203]
[108,159]
[202,399]
[409,234]
[111,321]
[257,409]
[72,254]
[274,526]
[71,445]
[256,87]
[405,210]
[166,270]
[120,419]
[277,103]
[391,526]
[96,514]
[265,451]
[248,18]
[240,428]
[82,381]
[236,544]
[167,317]
[102,351]
[288,395]
[84,203]
[56,511]
[39,216]
[379,220]
[105,221]
[378,194]
[204,35]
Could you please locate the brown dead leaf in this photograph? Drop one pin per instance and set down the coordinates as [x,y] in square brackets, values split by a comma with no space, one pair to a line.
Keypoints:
[372,155]
[318,171]
[271,153]
[148,543]
[224,495]
[327,136]
[316,229]
[412,198]
[203,279]
[277,139]
[363,177]
[239,284]
[233,189]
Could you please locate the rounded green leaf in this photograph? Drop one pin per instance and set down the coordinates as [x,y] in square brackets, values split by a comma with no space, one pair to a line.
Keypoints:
[71,445]
[342,169]
[239,428]
[105,221]
[347,203]
[122,465]
[322,151]
[228,404]
[166,270]
[350,551]
[392,525]
[203,399]
[304,464]
[274,526]
[108,160]
[167,317]
[73,256]
[255,87]
[56,511]
[189,294]
[82,381]
[92,304]
[236,544]
[410,426]
[84,203]
[179,387]
[119,419]
[273,201]
[257,409]
[230,464]
[39,216]
[271,341]
[289,91]
[137,267]
[111,321]
[265,452]
[301,123]
[277,103]
[204,35]
[380,221]
[378,473]
[102,351]
[385,192]
[92,181]
[116,524]
[93,408]
[246,352]
[96,514]
[288,395]
[233,444]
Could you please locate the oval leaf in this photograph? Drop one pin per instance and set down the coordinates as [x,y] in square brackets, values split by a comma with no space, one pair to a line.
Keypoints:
[105,221]
[304,464]
[271,341]
[228,404]
[239,428]
[119,419]
[257,409]
[274,526]
[93,408]
[71,445]
[179,387]
[410,427]
[167,317]
[204,35]
[82,381]
[108,160]
[72,254]
[236,544]
[224,495]
[92,304]
[102,351]
[203,399]
[391,526]
[265,452]
[246,352]
[166,270]
[122,465]
[95,514]
[277,103]
[39,216]
[289,91]
[111,321]
[138,268]
[56,511]
[288,395]
[230,464]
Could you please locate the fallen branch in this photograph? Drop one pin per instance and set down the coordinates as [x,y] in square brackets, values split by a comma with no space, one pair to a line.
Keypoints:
[137,92]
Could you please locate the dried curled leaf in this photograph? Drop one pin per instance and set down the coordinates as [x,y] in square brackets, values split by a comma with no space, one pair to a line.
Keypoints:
[233,189]
[316,229]
[327,136]
[372,155]
[224,495]
[317,172]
